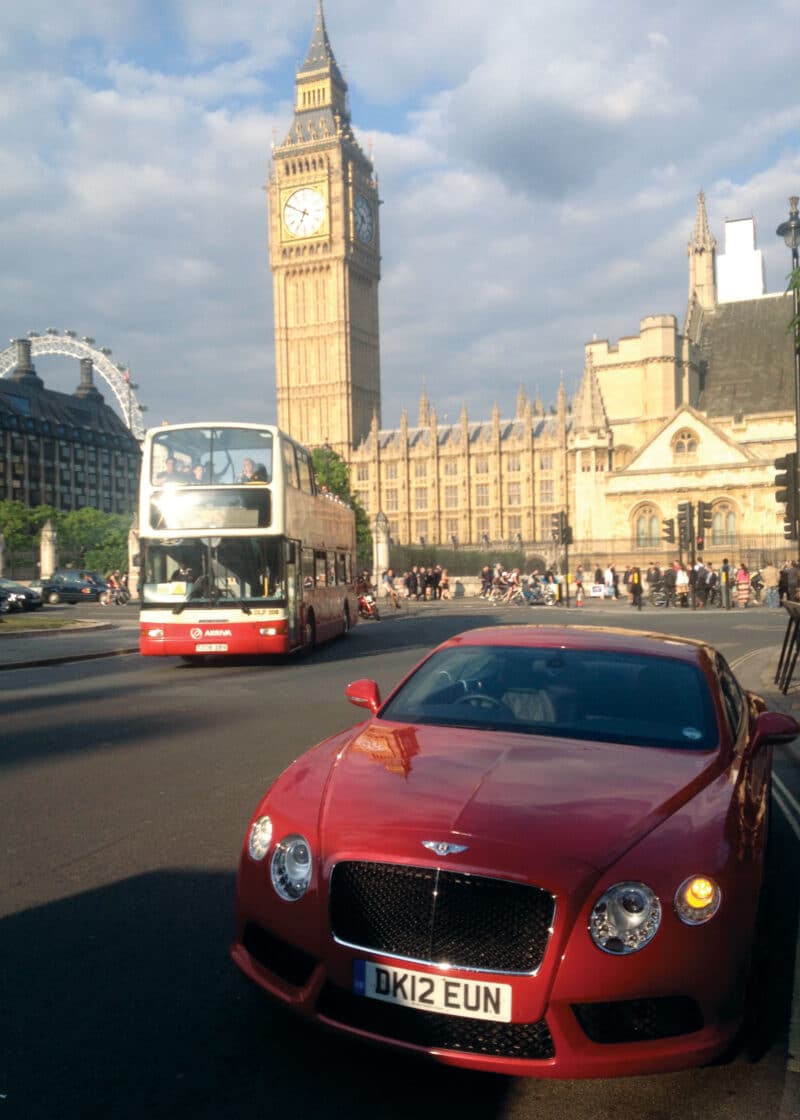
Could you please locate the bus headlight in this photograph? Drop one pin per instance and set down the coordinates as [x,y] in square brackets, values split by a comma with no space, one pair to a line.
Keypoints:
[291,867]
[156,634]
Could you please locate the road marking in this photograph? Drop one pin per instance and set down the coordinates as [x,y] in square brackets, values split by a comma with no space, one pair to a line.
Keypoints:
[788,804]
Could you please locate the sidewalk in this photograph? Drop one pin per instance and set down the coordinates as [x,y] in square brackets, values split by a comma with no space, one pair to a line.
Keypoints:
[82,641]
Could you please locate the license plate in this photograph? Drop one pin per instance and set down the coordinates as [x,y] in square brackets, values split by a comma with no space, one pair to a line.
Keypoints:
[211,647]
[446,995]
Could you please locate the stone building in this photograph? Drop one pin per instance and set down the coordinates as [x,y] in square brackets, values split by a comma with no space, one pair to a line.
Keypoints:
[61,450]
[669,415]
[325,260]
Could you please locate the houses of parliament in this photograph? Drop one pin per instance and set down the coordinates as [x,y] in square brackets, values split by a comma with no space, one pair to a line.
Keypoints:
[678,412]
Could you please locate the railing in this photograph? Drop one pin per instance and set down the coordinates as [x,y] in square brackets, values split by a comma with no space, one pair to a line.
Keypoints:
[790,650]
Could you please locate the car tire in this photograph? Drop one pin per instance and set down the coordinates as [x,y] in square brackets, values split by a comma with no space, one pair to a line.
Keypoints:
[53,597]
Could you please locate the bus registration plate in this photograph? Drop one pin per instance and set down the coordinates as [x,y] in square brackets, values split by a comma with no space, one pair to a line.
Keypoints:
[211,647]
[427,991]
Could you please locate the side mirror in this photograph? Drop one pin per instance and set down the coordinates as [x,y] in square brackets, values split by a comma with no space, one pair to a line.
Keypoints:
[775,728]
[364,694]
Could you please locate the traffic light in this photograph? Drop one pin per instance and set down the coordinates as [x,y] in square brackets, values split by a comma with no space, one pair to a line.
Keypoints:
[703,521]
[668,529]
[685,523]
[555,526]
[786,479]
[566,532]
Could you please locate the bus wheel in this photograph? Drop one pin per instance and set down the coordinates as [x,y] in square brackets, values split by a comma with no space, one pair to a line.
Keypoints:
[309,633]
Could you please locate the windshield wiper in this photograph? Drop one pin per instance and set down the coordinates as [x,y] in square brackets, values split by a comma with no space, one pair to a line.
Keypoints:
[205,586]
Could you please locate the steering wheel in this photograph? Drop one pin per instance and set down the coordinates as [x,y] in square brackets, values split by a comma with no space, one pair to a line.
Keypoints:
[482,700]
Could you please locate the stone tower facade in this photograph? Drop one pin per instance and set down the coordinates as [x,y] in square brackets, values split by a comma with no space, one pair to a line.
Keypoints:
[325,260]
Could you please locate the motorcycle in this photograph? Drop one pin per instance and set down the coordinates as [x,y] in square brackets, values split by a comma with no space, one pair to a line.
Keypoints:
[367,607]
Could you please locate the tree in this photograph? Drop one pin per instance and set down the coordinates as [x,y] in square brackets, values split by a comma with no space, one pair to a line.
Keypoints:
[15,525]
[21,526]
[333,473]
[95,540]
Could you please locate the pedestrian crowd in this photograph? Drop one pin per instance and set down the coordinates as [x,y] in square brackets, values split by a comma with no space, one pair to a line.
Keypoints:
[701,584]
[417,583]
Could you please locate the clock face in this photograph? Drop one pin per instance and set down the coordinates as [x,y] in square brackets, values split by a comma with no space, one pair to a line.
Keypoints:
[304,212]
[362,219]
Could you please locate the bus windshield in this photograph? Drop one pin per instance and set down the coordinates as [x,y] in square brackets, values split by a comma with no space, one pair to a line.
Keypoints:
[202,571]
[213,455]
[210,507]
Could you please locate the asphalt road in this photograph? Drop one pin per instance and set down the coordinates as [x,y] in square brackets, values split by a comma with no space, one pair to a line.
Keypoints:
[126,788]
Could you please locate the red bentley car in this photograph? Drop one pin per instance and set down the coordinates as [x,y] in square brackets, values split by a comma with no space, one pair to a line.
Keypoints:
[541,856]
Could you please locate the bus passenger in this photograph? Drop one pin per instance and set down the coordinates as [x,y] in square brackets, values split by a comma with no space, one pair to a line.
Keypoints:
[170,472]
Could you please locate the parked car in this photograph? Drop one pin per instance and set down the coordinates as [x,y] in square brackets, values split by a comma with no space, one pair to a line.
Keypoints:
[10,601]
[70,585]
[30,597]
[541,856]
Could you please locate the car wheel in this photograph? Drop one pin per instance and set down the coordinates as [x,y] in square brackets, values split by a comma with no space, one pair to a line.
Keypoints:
[53,598]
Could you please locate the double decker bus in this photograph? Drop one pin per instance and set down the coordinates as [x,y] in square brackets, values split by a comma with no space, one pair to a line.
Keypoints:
[240,551]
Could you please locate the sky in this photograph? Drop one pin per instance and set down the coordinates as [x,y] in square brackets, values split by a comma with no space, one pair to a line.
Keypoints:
[538,166]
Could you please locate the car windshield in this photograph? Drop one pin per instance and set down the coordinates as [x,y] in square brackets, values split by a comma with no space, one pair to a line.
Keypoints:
[603,695]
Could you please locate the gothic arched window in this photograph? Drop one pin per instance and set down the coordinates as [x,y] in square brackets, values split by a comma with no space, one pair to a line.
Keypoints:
[684,446]
[647,527]
[723,524]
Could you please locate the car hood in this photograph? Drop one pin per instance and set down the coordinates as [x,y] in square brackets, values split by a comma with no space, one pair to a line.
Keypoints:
[568,801]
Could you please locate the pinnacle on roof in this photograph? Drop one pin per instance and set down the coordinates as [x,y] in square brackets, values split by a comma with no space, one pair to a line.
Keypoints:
[702,238]
[588,410]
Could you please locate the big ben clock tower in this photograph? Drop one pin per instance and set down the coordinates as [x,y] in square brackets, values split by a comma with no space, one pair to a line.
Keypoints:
[325,260]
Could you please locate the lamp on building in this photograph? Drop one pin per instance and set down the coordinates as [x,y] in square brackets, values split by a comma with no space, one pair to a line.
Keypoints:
[790,232]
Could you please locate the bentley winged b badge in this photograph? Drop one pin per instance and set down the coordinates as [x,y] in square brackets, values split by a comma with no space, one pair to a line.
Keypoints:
[442,848]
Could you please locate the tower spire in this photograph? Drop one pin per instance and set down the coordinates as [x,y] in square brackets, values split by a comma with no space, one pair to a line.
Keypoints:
[320,52]
[702,251]
[321,108]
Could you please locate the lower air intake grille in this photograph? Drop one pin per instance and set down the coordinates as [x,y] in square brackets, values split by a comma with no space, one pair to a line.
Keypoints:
[432,1031]
[639,1020]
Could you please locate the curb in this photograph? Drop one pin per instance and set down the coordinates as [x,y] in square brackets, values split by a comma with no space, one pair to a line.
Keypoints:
[64,659]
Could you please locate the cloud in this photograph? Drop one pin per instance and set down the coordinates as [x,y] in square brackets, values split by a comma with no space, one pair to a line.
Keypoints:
[538,168]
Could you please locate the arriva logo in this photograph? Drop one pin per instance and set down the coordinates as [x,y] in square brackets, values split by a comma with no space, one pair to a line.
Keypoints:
[218,634]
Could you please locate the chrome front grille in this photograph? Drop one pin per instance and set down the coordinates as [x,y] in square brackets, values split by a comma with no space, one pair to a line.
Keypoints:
[437,916]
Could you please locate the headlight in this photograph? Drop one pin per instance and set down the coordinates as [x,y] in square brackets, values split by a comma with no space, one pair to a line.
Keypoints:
[625,918]
[291,867]
[260,838]
[697,900]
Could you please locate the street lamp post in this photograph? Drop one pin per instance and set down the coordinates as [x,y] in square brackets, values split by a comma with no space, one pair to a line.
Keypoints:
[380,546]
[790,232]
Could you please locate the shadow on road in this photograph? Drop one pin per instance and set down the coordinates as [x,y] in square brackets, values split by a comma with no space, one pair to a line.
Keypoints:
[123,1002]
